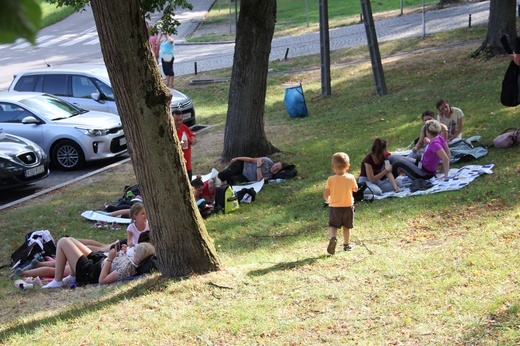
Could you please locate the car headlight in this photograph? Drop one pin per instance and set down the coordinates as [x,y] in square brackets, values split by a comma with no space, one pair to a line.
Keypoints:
[93,132]
[5,163]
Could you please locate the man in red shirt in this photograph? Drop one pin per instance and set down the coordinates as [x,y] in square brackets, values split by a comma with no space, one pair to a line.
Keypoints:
[186,137]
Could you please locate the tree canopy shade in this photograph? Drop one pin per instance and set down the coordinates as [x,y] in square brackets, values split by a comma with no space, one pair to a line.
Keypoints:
[19,19]
[502,20]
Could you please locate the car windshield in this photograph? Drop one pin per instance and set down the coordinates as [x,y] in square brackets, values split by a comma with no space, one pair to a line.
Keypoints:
[51,107]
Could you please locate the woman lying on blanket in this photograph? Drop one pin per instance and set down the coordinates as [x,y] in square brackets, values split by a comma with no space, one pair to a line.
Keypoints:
[87,267]
[436,152]
[376,173]
[245,169]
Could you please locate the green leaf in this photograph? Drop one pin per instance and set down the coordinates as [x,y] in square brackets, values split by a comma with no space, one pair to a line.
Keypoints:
[19,19]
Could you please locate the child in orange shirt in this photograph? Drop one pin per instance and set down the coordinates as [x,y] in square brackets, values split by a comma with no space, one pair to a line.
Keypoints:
[338,194]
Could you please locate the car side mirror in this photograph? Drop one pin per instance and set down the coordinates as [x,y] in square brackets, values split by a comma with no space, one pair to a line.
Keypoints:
[30,120]
[96,96]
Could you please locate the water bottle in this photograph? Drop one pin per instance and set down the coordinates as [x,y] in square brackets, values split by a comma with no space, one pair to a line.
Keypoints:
[276,181]
[184,141]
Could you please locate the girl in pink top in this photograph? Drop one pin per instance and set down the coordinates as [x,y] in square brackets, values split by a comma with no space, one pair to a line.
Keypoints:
[139,224]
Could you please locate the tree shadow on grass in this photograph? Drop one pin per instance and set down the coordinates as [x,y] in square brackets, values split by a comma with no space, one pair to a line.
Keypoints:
[77,311]
[286,266]
[499,327]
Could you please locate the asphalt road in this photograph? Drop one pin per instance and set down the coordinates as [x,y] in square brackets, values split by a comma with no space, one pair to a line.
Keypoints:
[56,179]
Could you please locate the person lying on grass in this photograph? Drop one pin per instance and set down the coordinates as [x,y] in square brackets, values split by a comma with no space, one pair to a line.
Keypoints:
[87,267]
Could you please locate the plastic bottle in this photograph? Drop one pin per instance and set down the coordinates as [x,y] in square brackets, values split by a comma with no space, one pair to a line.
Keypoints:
[184,141]
[276,181]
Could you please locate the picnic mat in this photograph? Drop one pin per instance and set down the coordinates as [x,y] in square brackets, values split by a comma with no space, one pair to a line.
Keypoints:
[103,216]
[458,178]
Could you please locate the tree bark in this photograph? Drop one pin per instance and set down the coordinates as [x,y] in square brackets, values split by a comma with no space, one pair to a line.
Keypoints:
[245,134]
[182,243]
[502,20]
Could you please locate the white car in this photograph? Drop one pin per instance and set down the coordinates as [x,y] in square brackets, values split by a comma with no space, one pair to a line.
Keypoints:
[69,135]
[87,86]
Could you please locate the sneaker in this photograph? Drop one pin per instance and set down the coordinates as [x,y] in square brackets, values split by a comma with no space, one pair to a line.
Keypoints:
[53,284]
[348,247]
[331,249]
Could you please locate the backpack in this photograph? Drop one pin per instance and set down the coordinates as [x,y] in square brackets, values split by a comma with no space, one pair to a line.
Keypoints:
[507,138]
[129,193]
[510,94]
[148,265]
[364,193]
[226,200]
[37,245]
[289,172]
[246,195]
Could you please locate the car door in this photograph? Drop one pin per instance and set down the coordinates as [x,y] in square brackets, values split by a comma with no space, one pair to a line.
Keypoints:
[82,89]
[11,116]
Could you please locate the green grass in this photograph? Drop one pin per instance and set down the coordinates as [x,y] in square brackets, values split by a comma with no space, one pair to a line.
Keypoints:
[52,14]
[426,270]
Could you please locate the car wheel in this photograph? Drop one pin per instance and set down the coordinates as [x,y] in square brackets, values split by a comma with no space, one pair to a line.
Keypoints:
[68,156]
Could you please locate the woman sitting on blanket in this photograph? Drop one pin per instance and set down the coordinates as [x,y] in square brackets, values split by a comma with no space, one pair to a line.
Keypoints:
[87,267]
[246,169]
[376,173]
[206,190]
[436,152]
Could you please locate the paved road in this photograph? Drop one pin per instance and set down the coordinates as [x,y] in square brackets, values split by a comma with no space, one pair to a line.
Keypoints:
[75,39]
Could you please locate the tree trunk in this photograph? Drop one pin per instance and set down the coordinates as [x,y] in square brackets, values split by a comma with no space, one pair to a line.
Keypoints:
[182,243]
[502,20]
[244,134]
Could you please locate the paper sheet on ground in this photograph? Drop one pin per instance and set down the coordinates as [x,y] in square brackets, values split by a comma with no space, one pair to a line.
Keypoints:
[458,178]
[208,176]
[96,215]
[257,186]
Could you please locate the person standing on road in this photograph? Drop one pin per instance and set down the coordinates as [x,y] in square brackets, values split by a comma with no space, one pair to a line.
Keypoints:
[154,42]
[186,137]
[166,53]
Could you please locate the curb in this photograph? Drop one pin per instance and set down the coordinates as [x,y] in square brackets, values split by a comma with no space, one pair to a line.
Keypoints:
[42,192]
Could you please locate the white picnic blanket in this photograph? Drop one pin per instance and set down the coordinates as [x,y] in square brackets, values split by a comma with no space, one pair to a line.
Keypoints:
[458,178]
[98,215]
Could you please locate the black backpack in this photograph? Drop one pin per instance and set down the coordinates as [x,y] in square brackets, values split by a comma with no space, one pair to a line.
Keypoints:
[246,195]
[225,200]
[148,265]
[364,193]
[37,244]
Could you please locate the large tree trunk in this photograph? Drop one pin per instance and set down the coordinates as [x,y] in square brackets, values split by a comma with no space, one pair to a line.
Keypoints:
[502,20]
[245,134]
[182,243]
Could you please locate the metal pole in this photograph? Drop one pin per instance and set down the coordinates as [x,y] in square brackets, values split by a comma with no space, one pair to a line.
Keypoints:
[375,57]
[236,15]
[423,19]
[401,7]
[324,48]
[229,16]
[307,11]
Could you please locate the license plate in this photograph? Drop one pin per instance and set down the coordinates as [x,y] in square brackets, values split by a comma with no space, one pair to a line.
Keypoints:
[34,171]
[186,116]
[122,141]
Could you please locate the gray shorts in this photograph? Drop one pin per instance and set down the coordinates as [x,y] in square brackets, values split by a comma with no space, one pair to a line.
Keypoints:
[341,216]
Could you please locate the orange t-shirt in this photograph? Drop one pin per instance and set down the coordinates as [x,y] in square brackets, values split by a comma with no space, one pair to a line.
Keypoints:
[340,190]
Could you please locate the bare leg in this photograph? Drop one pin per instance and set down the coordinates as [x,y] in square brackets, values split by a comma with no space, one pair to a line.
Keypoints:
[95,246]
[68,249]
[43,272]
[346,235]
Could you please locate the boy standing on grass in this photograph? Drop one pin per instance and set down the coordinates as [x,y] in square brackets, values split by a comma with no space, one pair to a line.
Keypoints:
[338,193]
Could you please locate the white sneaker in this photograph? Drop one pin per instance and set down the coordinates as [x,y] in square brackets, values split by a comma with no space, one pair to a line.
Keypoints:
[53,284]
[67,280]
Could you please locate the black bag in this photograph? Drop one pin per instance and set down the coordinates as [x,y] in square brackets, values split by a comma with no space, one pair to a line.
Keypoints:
[37,244]
[287,173]
[246,195]
[148,265]
[364,193]
[510,94]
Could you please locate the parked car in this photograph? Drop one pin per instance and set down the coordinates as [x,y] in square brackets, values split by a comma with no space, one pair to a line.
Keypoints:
[22,162]
[87,86]
[69,135]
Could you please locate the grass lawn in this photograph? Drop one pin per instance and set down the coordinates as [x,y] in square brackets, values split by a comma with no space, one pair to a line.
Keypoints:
[426,270]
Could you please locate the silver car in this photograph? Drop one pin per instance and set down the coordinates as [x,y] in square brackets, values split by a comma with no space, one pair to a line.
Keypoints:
[69,135]
[22,162]
[87,86]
